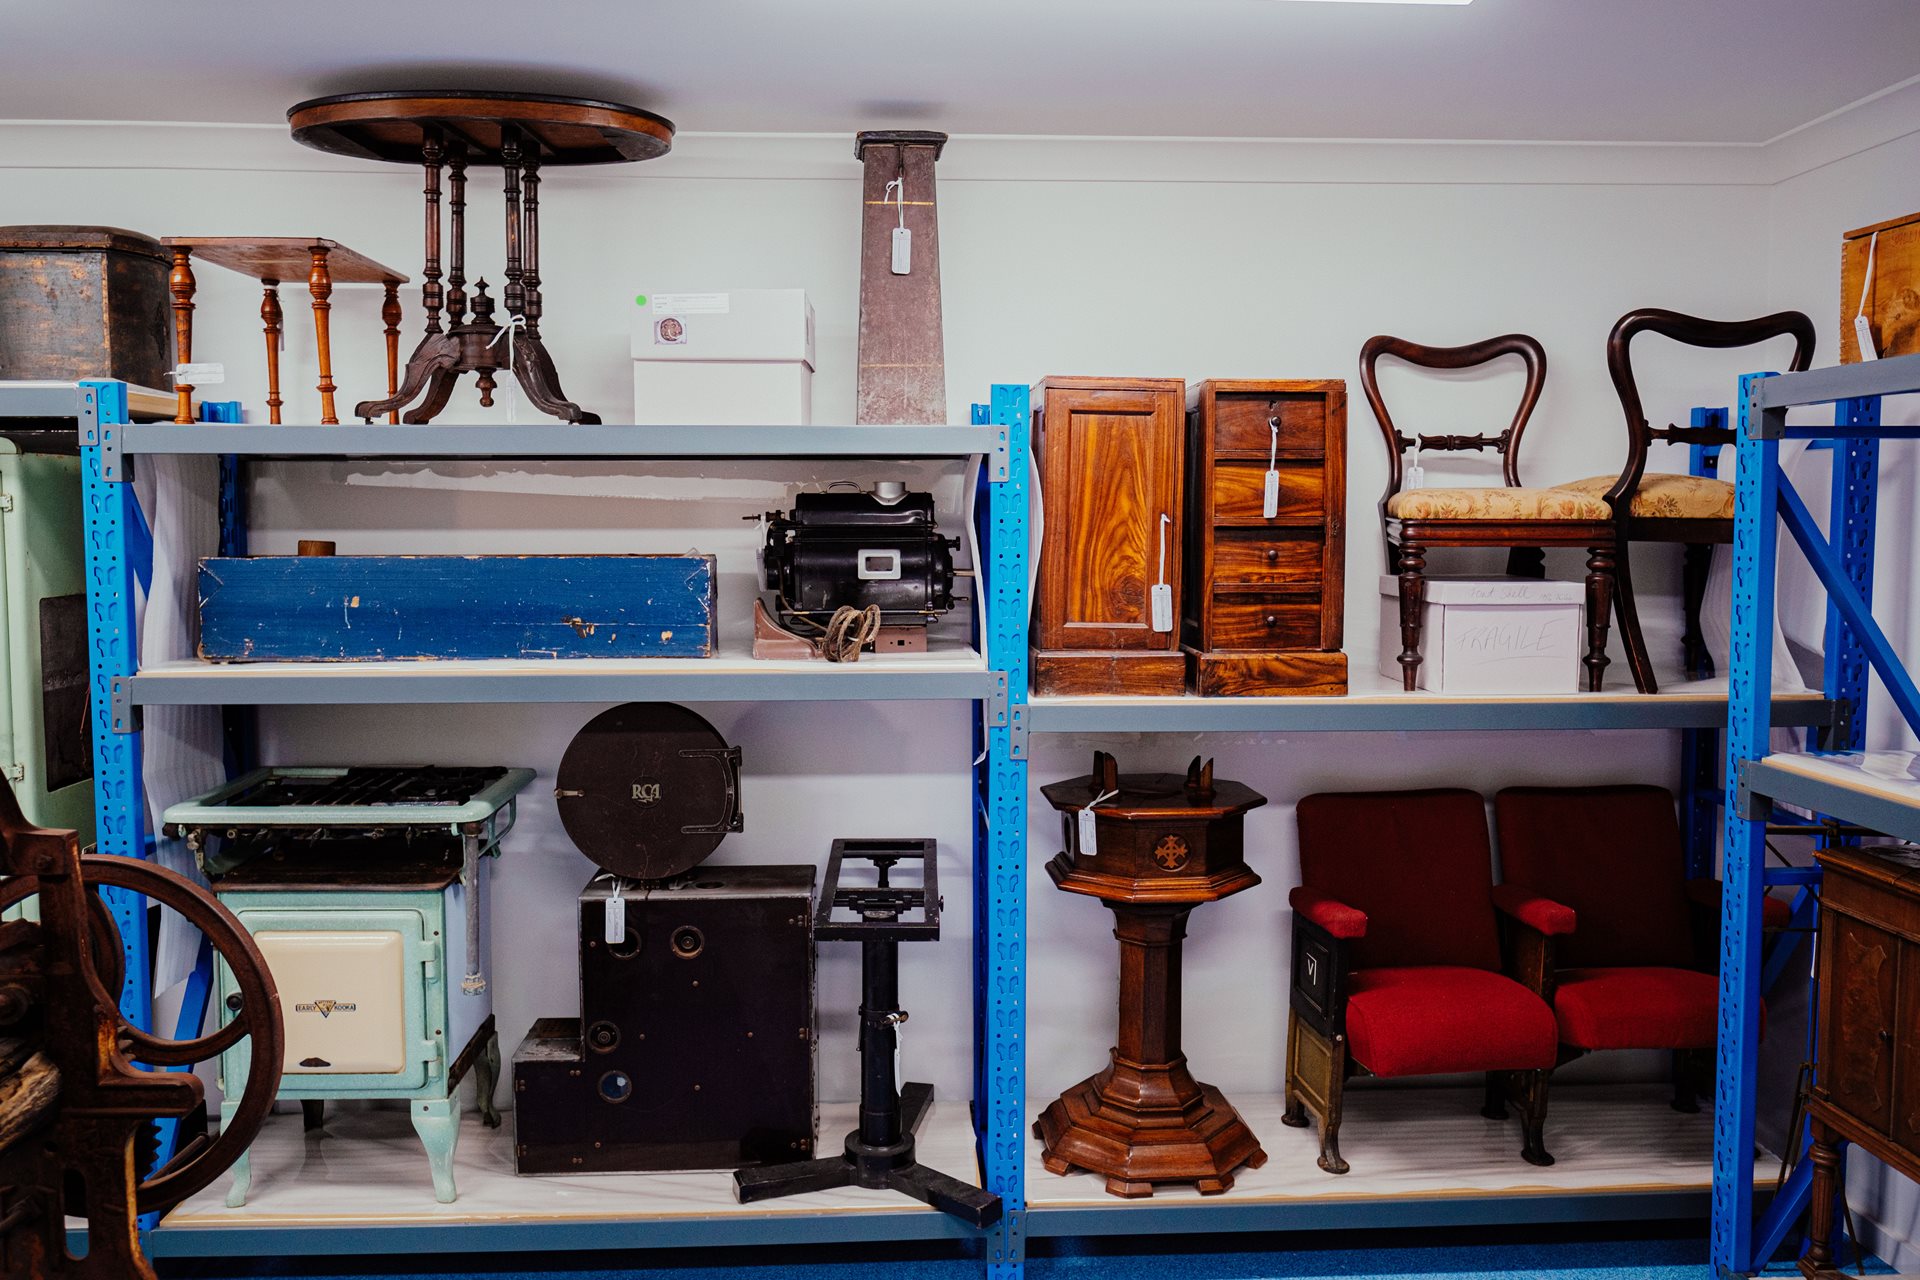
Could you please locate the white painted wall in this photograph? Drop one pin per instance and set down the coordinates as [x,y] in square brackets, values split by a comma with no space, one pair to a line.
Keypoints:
[1181,258]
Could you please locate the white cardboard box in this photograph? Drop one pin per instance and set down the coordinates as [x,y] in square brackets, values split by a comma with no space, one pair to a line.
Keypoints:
[1491,635]
[741,357]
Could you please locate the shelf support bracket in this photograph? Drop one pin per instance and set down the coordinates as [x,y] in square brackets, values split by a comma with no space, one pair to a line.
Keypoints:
[102,431]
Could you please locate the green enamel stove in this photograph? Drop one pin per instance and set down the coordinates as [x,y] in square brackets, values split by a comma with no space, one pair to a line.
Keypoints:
[366,890]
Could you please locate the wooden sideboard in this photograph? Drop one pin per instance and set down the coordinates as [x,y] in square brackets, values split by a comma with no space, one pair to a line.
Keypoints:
[1867,1090]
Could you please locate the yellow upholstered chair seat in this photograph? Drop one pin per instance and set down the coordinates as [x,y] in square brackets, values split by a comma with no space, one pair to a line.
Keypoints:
[1490,503]
[1665,496]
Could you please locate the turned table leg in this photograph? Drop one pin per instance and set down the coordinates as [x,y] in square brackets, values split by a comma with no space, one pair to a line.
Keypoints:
[390,316]
[271,317]
[1413,598]
[180,285]
[1825,1154]
[320,285]
[1600,566]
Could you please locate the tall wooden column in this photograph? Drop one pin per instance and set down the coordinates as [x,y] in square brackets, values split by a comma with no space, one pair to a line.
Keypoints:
[903,364]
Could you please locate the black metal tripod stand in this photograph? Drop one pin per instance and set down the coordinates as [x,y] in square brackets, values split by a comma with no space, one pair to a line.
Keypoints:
[880,1153]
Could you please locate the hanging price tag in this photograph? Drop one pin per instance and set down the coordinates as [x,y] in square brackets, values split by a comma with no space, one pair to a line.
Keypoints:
[902,251]
[1270,495]
[1862,327]
[1863,334]
[1416,474]
[615,931]
[1087,832]
[1160,596]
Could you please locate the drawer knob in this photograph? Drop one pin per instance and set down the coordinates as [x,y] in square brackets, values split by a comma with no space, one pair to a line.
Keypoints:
[1273,555]
[1273,621]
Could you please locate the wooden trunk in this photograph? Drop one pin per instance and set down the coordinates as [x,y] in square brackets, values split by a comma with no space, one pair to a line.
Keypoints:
[84,302]
[1893,299]
[1109,451]
[1868,1088]
[1265,594]
[373,608]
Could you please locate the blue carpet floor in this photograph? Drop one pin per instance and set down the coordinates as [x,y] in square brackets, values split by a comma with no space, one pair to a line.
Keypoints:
[1494,1253]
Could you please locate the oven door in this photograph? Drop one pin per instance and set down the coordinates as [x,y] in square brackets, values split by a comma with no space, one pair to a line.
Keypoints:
[353,996]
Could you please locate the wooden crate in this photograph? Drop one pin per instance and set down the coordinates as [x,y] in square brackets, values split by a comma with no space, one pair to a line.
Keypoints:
[1266,594]
[1893,300]
[374,608]
[84,302]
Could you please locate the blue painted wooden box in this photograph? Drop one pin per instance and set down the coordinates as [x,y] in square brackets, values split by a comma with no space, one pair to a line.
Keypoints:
[368,608]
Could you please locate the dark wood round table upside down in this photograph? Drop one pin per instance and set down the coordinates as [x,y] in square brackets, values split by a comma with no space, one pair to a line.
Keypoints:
[1164,845]
[446,132]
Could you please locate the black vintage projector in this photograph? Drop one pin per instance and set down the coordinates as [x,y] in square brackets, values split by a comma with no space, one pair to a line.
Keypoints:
[872,559]
[695,1044]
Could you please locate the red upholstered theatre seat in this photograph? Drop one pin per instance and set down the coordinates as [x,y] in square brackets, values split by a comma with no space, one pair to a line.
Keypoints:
[1628,976]
[1435,1019]
[1426,994]
[1637,1008]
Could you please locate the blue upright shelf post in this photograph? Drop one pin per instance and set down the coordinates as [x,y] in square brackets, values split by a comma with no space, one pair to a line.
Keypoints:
[112,521]
[1750,653]
[1000,852]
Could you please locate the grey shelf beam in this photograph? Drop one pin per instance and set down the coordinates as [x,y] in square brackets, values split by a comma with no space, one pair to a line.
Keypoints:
[559,441]
[559,1236]
[1895,375]
[1172,1217]
[1760,780]
[40,400]
[1414,712]
[447,682]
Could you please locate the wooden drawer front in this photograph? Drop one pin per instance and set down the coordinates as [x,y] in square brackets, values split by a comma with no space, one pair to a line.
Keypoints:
[1266,558]
[1857,1061]
[1263,622]
[1240,422]
[1239,486]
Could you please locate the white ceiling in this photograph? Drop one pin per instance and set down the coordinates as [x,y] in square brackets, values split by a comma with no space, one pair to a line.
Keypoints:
[1739,71]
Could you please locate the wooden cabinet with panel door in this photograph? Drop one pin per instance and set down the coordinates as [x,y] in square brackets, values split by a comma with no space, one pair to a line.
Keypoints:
[1110,453]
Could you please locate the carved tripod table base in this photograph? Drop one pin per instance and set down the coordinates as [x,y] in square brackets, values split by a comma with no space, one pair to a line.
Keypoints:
[446,132]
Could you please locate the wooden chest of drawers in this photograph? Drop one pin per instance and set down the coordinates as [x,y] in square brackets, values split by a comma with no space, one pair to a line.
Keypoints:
[1265,593]
[1868,1086]
[1110,454]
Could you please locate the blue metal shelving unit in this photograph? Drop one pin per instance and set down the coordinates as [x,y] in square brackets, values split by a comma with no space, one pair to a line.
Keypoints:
[996,686]
[1843,560]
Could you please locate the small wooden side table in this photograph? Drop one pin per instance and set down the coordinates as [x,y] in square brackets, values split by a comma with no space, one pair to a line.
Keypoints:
[270,260]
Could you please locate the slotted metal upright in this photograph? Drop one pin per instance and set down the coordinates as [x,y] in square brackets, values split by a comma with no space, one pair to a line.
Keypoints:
[1843,561]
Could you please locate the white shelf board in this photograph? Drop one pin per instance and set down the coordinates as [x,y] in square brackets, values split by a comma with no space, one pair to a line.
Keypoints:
[361,1185]
[1375,701]
[951,668]
[1413,1150]
[560,440]
[1876,789]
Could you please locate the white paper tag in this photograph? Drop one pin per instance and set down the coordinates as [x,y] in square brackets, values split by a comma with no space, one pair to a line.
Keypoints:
[200,375]
[1270,496]
[615,931]
[1863,333]
[692,304]
[1089,833]
[1416,477]
[1161,598]
[902,251]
